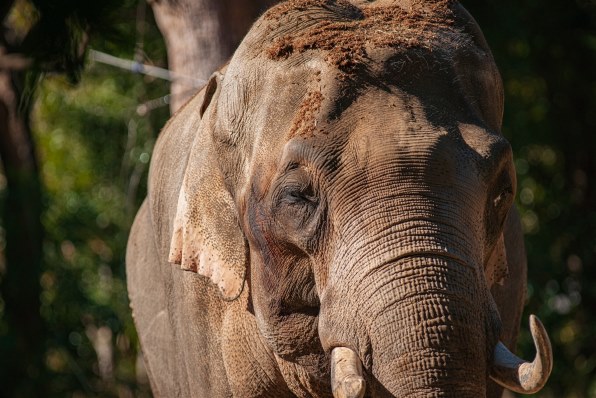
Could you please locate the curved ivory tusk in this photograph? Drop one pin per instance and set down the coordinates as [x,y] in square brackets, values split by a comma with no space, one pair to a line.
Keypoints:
[518,375]
[346,374]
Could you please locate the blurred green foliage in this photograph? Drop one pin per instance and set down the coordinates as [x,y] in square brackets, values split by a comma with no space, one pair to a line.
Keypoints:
[95,151]
[95,147]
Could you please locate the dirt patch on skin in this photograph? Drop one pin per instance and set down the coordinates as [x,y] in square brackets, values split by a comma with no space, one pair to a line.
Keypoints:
[305,121]
[344,30]
[304,5]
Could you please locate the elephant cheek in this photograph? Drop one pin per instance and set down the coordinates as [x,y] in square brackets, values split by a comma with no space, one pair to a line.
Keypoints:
[248,360]
[290,330]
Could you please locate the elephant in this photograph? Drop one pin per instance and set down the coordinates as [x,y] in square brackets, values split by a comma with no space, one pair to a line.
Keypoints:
[333,215]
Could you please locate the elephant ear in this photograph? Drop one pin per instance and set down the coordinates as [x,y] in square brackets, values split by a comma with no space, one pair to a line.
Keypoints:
[207,238]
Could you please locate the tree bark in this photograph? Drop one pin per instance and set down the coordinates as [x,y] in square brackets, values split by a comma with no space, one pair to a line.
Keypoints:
[23,342]
[201,35]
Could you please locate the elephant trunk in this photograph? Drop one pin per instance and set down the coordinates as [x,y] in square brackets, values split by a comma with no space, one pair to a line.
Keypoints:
[421,326]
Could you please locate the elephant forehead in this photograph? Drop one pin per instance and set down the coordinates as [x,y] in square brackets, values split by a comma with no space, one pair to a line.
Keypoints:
[353,45]
[391,133]
[347,31]
[389,129]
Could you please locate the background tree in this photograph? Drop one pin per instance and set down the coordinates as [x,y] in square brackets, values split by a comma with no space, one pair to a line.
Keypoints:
[201,35]
[19,286]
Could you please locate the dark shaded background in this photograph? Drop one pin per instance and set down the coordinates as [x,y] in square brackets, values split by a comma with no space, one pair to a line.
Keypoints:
[75,143]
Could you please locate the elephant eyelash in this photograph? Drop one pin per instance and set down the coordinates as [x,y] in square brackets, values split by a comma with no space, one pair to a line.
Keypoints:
[298,194]
[291,166]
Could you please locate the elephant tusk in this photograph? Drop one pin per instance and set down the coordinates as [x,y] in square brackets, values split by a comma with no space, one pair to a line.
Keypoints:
[346,374]
[521,376]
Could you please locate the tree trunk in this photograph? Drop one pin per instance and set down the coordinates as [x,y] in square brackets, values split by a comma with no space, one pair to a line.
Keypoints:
[23,341]
[201,35]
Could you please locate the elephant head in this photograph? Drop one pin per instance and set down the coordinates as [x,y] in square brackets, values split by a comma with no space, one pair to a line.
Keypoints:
[349,176]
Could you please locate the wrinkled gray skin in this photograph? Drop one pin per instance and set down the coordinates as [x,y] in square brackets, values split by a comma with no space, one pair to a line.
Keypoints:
[378,219]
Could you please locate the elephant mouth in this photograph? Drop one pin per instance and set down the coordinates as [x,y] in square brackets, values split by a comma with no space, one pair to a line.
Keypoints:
[511,372]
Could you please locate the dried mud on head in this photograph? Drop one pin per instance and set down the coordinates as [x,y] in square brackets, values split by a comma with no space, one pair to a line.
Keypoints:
[344,31]
[304,123]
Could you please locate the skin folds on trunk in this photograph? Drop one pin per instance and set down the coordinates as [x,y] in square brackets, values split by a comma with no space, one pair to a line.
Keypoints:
[427,327]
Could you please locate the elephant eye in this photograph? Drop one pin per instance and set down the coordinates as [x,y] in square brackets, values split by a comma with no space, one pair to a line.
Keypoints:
[503,197]
[295,201]
[295,189]
[499,203]
[298,194]
[297,210]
